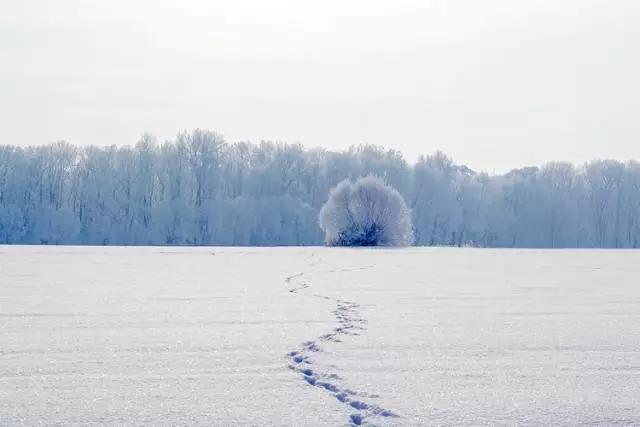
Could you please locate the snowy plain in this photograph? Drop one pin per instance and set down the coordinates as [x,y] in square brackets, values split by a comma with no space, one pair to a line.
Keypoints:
[318,336]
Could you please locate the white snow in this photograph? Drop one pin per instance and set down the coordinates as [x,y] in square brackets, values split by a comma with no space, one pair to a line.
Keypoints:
[318,336]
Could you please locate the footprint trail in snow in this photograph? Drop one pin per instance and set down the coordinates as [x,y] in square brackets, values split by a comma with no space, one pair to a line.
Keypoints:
[350,323]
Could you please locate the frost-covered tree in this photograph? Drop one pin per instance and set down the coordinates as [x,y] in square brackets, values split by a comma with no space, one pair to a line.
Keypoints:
[435,200]
[197,189]
[366,212]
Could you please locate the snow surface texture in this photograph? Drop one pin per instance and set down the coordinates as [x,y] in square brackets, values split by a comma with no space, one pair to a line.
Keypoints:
[318,336]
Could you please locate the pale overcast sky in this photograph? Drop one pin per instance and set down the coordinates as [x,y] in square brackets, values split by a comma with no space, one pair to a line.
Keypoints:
[495,84]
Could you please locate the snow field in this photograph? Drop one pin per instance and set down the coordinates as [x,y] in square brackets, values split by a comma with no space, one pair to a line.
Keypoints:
[318,336]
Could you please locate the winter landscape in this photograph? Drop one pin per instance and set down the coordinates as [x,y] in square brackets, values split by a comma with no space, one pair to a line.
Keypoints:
[338,213]
[319,336]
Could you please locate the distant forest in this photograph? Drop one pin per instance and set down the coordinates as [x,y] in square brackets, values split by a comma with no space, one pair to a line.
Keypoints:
[200,190]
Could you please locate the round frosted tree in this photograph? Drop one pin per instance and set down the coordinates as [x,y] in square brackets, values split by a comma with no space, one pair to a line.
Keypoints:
[367,212]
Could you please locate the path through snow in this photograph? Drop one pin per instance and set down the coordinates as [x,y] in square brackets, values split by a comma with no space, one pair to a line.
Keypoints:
[350,323]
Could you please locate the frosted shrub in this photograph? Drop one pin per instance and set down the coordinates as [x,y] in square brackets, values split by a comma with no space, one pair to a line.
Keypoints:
[366,213]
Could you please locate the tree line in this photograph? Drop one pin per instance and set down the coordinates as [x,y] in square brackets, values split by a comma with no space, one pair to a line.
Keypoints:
[200,190]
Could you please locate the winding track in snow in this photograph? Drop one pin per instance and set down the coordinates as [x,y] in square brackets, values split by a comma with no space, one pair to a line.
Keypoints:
[350,323]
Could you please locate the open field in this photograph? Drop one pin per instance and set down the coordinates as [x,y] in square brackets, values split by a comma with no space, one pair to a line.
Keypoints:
[318,336]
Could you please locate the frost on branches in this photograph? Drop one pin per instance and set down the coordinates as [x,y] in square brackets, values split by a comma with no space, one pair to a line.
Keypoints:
[366,213]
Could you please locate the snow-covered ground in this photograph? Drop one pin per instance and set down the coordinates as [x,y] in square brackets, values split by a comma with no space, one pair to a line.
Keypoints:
[318,336]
